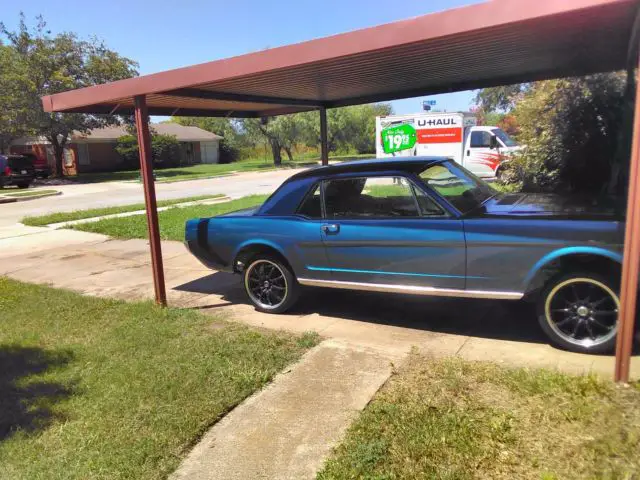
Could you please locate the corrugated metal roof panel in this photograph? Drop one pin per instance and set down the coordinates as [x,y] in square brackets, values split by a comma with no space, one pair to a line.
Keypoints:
[498,42]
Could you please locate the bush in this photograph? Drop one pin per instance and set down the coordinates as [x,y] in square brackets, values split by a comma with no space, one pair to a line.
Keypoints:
[571,129]
[127,148]
[228,153]
[165,151]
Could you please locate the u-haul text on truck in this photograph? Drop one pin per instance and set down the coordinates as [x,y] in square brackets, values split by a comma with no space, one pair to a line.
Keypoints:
[481,149]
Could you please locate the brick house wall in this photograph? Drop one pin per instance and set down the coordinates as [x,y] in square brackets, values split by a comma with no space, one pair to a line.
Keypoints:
[96,157]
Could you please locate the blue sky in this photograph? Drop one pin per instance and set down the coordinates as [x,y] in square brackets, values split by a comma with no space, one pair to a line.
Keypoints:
[164,34]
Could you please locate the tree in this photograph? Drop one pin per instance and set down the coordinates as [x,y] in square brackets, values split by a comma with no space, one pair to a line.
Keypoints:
[14,107]
[502,98]
[43,64]
[572,130]
[359,126]
[348,128]
[281,133]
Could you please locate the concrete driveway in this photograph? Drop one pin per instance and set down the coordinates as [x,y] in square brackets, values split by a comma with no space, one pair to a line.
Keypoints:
[473,329]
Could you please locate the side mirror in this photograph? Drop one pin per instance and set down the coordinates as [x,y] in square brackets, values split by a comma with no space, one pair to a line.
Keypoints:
[493,143]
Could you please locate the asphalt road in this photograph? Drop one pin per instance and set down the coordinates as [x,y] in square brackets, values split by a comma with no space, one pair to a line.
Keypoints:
[96,195]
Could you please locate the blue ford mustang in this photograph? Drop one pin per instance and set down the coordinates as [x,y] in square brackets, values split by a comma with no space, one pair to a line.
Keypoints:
[425,226]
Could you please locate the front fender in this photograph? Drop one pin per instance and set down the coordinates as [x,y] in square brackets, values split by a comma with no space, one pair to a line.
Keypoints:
[566,251]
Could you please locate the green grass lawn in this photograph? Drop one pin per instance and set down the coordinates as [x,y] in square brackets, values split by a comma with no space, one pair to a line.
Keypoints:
[96,388]
[98,212]
[453,419]
[171,221]
[26,193]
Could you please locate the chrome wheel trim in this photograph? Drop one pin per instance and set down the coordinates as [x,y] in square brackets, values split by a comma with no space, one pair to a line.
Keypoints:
[578,315]
[267,296]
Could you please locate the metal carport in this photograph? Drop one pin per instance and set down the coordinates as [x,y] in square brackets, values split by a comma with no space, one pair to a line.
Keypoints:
[488,44]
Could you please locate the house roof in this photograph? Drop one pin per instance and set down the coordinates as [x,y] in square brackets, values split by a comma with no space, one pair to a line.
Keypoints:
[181,132]
[487,44]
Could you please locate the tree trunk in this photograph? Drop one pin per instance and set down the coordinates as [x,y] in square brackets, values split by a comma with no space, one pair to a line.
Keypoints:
[275,151]
[289,154]
[58,153]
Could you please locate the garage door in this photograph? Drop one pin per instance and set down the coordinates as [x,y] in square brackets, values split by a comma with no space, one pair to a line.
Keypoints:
[209,152]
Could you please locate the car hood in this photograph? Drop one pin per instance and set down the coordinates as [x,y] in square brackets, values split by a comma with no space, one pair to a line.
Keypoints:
[545,205]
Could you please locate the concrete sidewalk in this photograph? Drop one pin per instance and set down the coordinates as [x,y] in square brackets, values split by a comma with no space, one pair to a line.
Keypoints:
[286,430]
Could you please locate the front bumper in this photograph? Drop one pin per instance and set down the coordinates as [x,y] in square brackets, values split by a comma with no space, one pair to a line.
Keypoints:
[16,179]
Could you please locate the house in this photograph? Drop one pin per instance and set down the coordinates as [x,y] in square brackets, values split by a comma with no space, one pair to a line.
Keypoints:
[95,151]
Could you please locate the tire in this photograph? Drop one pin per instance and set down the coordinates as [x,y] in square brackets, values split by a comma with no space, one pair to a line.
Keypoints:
[579,312]
[270,284]
[22,185]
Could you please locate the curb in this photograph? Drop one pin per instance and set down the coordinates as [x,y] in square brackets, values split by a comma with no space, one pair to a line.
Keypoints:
[211,201]
[170,180]
[8,199]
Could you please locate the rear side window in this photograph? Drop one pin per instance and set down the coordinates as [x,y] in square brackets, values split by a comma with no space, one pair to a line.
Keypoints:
[311,206]
[370,197]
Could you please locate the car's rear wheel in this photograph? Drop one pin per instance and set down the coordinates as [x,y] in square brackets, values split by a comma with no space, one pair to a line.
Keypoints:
[23,185]
[579,312]
[270,284]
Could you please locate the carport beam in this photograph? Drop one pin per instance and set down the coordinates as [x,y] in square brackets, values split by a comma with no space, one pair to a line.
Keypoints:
[324,147]
[630,265]
[146,171]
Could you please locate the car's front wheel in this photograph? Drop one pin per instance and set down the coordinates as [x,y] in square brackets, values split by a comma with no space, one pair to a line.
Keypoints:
[579,312]
[270,284]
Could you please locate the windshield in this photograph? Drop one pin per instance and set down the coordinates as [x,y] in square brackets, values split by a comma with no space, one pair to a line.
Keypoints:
[460,187]
[504,138]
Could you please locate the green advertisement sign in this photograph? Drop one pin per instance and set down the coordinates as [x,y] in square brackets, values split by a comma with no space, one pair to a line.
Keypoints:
[398,138]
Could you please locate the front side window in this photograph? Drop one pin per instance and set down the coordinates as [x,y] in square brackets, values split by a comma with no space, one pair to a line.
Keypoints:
[480,139]
[460,187]
[370,197]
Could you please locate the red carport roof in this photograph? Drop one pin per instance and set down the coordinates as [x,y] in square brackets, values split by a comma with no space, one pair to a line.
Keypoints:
[493,43]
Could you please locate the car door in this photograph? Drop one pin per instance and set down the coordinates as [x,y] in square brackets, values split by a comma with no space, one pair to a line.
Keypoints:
[384,229]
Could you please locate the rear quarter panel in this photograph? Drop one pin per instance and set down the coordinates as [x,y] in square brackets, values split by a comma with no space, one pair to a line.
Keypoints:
[296,238]
[505,254]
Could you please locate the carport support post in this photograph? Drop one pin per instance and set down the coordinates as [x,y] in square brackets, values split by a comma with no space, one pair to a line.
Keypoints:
[324,147]
[630,263]
[146,171]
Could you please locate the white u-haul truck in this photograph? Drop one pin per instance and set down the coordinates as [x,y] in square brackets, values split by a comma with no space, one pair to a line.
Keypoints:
[480,149]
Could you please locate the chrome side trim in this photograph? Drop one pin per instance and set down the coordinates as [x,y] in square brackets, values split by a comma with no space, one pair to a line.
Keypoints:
[412,289]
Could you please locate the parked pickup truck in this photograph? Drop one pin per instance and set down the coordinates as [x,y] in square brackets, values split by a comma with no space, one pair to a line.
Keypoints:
[16,170]
[426,226]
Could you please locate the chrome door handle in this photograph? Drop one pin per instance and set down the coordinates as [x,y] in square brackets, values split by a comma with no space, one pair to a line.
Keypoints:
[330,228]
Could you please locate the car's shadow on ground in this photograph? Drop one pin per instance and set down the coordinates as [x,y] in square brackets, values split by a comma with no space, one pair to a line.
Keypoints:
[504,320]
